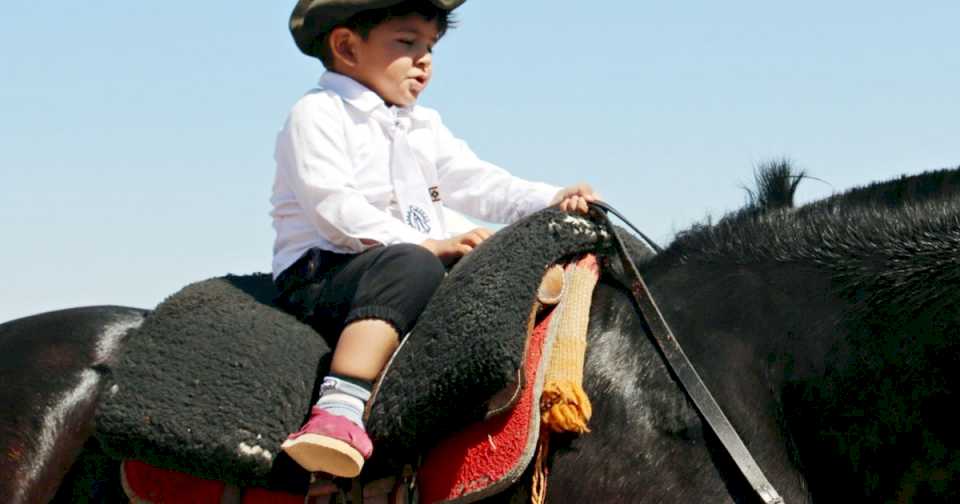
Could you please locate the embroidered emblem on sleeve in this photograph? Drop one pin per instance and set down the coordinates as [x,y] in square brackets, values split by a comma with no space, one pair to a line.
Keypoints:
[417,219]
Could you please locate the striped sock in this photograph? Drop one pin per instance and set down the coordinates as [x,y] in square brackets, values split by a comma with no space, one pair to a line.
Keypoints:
[345,396]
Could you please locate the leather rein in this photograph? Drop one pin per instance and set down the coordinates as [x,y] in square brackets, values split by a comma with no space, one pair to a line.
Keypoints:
[680,366]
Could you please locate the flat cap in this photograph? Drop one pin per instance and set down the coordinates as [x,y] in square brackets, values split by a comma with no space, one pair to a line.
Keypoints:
[312,19]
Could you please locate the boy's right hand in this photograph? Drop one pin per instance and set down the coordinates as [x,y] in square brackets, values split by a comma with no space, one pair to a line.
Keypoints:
[450,251]
[575,198]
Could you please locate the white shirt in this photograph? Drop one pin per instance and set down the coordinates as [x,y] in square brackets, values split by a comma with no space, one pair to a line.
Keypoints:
[333,188]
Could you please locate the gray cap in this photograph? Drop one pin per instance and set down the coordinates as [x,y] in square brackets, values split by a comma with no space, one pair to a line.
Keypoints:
[312,19]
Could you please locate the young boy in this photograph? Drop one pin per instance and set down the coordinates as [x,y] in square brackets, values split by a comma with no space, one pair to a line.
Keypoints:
[362,200]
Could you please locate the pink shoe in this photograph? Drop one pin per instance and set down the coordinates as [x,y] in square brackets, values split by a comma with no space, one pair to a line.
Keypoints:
[329,443]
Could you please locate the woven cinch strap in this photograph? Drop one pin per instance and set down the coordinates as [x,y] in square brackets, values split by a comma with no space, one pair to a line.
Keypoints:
[564,405]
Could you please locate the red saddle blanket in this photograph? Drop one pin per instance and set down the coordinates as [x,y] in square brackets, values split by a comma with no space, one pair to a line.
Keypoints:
[482,460]
[144,483]
[489,456]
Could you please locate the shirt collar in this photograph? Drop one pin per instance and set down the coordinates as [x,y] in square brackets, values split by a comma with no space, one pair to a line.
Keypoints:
[364,99]
[352,92]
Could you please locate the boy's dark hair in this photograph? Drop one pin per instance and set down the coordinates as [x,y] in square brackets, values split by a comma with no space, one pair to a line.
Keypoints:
[363,22]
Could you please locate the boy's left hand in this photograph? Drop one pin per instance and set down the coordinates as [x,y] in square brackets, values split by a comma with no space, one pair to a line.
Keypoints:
[575,198]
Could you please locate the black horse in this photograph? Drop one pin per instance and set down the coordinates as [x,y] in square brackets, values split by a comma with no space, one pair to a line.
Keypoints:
[828,334]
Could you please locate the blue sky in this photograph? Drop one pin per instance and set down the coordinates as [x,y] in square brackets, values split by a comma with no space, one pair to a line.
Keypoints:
[136,138]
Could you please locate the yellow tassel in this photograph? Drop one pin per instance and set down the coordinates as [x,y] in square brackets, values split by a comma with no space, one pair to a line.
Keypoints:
[565,407]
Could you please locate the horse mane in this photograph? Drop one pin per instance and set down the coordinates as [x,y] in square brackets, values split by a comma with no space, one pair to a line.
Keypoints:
[894,193]
[894,236]
[777,181]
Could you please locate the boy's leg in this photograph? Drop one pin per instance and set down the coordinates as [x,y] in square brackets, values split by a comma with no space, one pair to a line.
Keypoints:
[364,348]
[385,290]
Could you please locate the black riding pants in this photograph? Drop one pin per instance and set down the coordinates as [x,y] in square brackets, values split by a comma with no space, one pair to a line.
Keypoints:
[329,290]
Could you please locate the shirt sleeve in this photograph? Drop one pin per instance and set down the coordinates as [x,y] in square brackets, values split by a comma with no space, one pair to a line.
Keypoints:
[456,223]
[312,155]
[481,189]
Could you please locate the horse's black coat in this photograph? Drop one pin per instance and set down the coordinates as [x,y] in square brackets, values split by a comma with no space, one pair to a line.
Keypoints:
[841,321]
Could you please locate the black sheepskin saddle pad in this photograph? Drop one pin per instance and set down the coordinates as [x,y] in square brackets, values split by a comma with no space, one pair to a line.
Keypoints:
[212,383]
[217,376]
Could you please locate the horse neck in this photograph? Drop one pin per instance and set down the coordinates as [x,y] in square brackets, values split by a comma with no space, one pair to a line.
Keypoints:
[646,442]
[750,331]
[774,320]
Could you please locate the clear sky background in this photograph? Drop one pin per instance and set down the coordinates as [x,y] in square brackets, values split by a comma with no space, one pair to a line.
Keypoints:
[136,138]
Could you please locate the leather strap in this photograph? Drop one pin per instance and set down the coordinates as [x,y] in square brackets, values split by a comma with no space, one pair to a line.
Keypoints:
[683,369]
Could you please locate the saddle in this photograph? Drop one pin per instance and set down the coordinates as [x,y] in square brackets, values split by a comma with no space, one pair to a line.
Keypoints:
[217,376]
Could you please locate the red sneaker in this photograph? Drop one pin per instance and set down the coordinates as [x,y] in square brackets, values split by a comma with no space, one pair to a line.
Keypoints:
[329,443]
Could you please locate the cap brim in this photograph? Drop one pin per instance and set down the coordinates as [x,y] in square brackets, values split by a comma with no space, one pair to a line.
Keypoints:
[307,28]
[448,4]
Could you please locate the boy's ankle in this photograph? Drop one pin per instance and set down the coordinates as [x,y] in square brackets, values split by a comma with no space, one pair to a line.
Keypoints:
[344,396]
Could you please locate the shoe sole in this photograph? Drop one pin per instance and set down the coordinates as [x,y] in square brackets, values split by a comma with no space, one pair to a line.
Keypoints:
[317,453]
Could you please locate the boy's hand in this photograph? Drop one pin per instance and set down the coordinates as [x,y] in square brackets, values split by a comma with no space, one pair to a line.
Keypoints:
[575,198]
[452,249]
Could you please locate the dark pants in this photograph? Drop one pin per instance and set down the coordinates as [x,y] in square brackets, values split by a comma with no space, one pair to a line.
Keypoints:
[329,290]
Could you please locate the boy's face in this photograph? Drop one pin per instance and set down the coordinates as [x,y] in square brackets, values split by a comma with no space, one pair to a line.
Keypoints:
[395,60]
